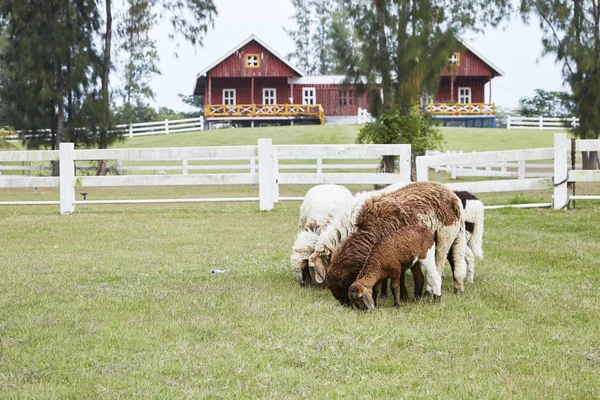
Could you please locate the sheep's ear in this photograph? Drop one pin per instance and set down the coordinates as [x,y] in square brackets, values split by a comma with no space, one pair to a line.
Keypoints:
[368,300]
[320,270]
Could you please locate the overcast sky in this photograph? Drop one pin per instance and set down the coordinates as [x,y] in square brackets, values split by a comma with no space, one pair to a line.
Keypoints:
[516,50]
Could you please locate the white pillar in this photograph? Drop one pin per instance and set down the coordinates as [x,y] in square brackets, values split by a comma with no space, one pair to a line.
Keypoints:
[404,163]
[130,130]
[508,122]
[67,178]
[319,165]
[522,169]
[185,166]
[265,174]
[167,126]
[561,195]
[541,122]
[275,177]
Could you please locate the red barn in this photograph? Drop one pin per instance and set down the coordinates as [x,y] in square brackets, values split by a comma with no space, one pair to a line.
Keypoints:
[253,83]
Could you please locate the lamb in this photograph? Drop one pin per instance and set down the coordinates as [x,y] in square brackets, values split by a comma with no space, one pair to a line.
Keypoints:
[320,204]
[340,227]
[428,204]
[390,258]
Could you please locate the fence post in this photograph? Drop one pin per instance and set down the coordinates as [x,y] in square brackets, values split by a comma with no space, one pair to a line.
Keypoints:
[201,123]
[130,130]
[522,169]
[541,122]
[319,165]
[561,195]
[275,178]
[67,178]
[404,163]
[508,122]
[574,122]
[185,166]
[119,167]
[167,126]
[265,174]
[422,169]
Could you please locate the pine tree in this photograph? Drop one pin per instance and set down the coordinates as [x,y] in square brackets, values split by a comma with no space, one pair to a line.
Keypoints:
[572,33]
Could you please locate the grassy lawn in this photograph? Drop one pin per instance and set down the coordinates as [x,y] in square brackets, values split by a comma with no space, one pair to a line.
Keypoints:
[120,302]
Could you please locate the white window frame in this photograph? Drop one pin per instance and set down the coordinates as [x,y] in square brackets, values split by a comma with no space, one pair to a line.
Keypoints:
[266,98]
[230,98]
[306,97]
[465,95]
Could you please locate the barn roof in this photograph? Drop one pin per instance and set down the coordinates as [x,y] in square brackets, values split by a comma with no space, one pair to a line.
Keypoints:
[472,49]
[239,46]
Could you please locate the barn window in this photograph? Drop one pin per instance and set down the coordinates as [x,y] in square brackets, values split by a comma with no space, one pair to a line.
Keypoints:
[252,61]
[229,96]
[346,97]
[308,96]
[455,59]
[269,96]
[464,95]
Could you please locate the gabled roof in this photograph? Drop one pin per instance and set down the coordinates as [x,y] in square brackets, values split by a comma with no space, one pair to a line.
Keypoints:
[478,54]
[239,46]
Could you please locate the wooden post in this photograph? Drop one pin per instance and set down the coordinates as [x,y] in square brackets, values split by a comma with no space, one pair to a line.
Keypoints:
[490,94]
[561,195]
[167,126]
[404,164]
[130,130]
[67,178]
[265,174]
[319,165]
[522,169]
[541,122]
[209,90]
[422,169]
[508,122]
[252,91]
[451,89]
[185,166]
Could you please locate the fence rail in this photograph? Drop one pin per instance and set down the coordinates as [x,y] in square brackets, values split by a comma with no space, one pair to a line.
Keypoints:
[541,123]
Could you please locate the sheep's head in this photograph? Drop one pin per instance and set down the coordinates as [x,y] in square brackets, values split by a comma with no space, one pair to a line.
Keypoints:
[318,266]
[361,297]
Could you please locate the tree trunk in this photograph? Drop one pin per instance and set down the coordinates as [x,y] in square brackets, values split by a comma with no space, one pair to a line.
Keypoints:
[589,159]
[105,93]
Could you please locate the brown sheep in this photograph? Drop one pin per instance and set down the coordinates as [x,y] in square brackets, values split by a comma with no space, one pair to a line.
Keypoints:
[429,204]
[389,258]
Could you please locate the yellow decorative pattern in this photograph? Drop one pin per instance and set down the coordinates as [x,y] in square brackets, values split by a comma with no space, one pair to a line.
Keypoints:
[461,108]
[265,110]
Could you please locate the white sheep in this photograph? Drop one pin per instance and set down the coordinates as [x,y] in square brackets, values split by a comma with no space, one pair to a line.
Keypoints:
[320,204]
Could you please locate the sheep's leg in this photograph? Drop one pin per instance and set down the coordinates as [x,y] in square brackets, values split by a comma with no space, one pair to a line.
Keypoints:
[470,259]
[376,292]
[403,291]
[419,280]
[434,280]
[396,286]
[459,257]
[384,287]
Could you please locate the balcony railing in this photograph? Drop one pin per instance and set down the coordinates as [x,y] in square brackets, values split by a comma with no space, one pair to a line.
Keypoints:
[265,110]
[461,108]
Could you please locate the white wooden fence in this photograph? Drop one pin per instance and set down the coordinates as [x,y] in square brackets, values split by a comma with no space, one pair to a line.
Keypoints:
[541,123]
[162,127]
[150,128]
[558,182]
[364,116]
[265,167]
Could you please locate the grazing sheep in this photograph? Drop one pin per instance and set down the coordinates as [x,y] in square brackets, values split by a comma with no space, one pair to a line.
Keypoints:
[320,204]
[390,258]
[340,227]
[429,204]
[473,213]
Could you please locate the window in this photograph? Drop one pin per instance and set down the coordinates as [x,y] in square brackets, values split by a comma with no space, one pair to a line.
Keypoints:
[269,96]
[252,61]
[346,97]
[308,96]
[455,59]
[464,95]
[229,96]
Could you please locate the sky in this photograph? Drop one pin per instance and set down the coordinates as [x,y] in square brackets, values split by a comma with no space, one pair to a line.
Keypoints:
[516,49]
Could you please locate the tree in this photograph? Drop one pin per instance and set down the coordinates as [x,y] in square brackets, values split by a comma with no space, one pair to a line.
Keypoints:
[195,102]
[394,50]
[48,66]
[572,32]
[313,36]
[547,103]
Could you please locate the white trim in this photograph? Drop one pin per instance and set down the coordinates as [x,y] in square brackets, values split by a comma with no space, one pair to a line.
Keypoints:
[239,46]
[469,95]
[274,99]
[230,97]
[305,97]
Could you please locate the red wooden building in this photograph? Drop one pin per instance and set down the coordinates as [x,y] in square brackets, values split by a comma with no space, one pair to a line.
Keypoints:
[254,83]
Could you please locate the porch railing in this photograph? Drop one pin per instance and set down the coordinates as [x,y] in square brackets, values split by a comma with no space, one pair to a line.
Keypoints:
[461,108]
[265,110]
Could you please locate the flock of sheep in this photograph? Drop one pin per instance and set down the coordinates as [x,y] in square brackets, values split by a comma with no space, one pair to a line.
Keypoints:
[352,244]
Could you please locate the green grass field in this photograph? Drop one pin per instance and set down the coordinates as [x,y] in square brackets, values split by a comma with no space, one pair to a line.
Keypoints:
[120,302]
